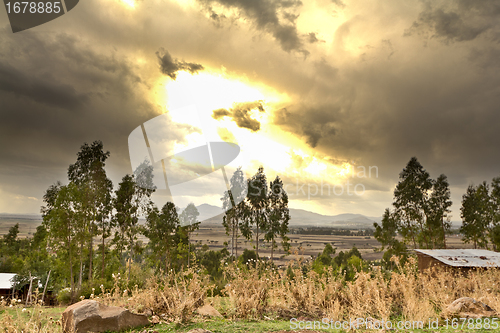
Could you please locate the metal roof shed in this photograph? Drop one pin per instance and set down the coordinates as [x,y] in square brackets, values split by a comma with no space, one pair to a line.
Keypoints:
[6,283]
[6,280]
[461,259]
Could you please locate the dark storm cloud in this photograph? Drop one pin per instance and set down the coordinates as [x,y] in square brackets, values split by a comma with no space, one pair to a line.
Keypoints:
[312,124]
[460,20]
[241,114]
[265,14]
[47,91]
[170,66]
[57,92]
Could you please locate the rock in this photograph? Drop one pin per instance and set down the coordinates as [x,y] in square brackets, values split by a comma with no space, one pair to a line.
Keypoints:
[91,316]
[148,312]
[199,330]
[155,320]
[467,307]
[208,310]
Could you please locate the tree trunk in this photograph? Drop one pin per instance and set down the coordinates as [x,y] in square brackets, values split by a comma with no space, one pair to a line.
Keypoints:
[167,261]
[45,288]
[72,279]
[28,296]
[257,244]
[91,252]
[272,251]
[189,247]
[130,263]
[233,250]
[81,267]
[236,250]
[444,233]
[103,252]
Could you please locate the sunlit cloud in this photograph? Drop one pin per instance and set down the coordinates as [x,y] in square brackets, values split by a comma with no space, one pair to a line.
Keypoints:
[129,3]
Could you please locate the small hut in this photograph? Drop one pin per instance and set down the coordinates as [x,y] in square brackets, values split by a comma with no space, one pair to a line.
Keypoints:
[461,260]
[6,284]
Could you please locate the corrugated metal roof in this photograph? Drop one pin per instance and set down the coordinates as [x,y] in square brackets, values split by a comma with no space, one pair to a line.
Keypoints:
[6,280]
[465,257]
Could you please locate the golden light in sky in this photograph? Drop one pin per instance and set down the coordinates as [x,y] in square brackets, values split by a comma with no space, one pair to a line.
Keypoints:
[214,91]
[129,3]
[280,154]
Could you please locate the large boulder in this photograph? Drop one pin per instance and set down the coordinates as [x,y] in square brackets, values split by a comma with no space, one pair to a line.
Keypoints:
[467,307]
[209,311]
[92,316]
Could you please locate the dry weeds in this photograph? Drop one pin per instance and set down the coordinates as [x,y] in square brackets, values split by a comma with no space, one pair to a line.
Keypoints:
[277,294]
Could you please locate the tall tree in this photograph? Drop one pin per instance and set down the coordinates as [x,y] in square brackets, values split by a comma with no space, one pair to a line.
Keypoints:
[386,234]
[233,205]
[279,216]
[421,210]
[258,204]
[59,220]
[477,215]
[89,175]
[189,220]
[437,218]
[130,202]
[410,202]
[495,202]
[161,229]
[10,238]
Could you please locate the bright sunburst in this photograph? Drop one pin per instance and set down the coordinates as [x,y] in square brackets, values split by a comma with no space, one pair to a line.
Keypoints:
[129,3]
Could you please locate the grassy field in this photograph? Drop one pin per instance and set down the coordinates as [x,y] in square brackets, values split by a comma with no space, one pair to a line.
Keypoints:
[303,246]
[44,319]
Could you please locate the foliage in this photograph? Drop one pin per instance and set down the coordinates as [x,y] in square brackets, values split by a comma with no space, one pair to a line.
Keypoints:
[420,215]
[233,203]
[477,215]
[266,209]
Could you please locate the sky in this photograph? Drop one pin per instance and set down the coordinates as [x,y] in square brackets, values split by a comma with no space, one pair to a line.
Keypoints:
[317,92]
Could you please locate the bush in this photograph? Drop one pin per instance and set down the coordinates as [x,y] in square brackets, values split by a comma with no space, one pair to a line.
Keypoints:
[64,296]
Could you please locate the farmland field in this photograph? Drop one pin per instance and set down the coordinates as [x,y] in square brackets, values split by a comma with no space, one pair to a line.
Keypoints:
[303,246]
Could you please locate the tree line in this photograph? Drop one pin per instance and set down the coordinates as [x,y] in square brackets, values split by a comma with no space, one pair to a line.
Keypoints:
[91,230]
[420,213]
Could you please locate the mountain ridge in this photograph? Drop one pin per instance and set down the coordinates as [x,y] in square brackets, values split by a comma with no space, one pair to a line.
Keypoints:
[299,218]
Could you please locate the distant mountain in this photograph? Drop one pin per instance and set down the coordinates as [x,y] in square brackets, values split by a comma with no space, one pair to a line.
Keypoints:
[299,218]
[207,211]
[7,216]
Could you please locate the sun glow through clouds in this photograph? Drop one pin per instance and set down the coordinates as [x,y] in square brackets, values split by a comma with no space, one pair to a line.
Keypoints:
[129,3]
[279,153]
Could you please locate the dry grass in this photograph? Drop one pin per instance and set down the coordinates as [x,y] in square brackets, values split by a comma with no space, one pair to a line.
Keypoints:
[405,294]
[267,292]
[16,318]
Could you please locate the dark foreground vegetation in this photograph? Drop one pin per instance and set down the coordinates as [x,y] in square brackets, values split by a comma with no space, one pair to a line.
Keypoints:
[89,246]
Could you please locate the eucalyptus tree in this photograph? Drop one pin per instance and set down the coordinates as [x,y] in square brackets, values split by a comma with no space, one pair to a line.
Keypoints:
[258,206]
[477,214]
[189,221]
[130,202]
[438,218]
[279,216]
[59,219]
[89,175]
[495,202]
[421,211]
[410,201]
[386,234]
[161,229]
[233,205]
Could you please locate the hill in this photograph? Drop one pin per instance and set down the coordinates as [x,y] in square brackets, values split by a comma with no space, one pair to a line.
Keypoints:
[300,218]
